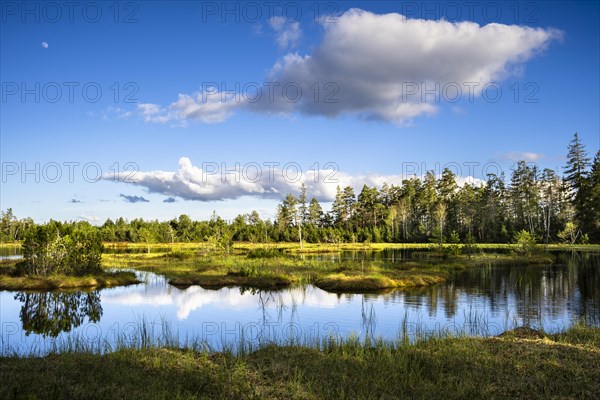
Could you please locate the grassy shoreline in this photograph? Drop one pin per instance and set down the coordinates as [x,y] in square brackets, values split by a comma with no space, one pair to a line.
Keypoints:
[10,281]
[107,279]
[513,365]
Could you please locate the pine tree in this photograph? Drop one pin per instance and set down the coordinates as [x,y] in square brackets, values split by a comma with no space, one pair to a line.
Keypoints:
[595,197]
[315,213]
[577,177]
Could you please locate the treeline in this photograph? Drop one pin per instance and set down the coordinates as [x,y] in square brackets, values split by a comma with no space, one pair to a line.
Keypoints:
[551,207]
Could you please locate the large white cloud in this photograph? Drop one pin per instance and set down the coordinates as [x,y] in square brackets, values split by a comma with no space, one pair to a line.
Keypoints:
[212,181]
[377,66]
[382,63]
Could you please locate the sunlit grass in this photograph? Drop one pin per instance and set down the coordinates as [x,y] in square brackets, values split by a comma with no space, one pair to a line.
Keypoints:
[105,279]
[157,364]
[278,266]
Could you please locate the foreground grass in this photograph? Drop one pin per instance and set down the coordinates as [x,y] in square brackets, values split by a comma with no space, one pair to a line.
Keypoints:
[10,281]
[565,365]
[272,267]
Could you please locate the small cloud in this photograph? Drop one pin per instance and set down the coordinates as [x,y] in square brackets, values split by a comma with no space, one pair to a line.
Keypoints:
[522,156]
[75,201]
[208,107]
[89,218]
[288,34]
[133,199]
[458,110]
[118,112]
[169,200]
[257,29]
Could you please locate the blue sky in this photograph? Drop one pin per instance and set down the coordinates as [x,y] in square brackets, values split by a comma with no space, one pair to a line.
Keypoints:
[158,113]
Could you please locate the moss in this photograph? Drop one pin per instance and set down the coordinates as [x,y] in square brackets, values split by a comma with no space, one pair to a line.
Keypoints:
[218,281]
[356,283]
[105,279]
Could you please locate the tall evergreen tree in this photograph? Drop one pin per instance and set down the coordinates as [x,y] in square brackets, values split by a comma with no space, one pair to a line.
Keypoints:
[576,177]
[595,197]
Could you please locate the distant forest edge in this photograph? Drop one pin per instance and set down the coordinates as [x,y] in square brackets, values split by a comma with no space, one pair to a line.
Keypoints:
[552,208]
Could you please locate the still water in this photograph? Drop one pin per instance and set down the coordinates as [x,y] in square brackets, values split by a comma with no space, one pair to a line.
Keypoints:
[479,301]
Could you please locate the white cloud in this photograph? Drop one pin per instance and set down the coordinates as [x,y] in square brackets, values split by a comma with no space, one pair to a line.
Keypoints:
[376,66]
[89,218]
[288,34]
[195,297]
[522,156]
[210,183]
[382,63]
[209,108]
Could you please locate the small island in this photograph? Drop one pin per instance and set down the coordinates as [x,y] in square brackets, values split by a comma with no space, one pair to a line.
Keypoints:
[59,256]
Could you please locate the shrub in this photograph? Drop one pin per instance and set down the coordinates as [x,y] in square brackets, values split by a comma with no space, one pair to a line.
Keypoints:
[265,253]
[54,249]
[525,241]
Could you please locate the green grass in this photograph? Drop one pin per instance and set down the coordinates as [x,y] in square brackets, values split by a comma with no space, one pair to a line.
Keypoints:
[278,266]
[105,279]
[9,280]
[563,365]
[280,271]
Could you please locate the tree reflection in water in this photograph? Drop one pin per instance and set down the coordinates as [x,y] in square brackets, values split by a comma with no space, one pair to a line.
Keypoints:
[50,313]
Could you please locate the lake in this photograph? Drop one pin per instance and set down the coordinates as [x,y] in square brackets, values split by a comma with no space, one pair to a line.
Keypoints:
[478,301]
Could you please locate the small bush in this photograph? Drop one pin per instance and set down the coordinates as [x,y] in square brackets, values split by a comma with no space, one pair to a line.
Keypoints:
[179,255]
[249,271]
[265,253]
[55,249]
[525,241]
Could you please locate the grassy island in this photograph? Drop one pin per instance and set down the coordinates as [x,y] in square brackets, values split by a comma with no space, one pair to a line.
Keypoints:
[279,265]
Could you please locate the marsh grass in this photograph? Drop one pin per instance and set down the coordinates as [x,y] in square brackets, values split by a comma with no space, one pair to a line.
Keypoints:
[275,267]
[52,282]
[156,364]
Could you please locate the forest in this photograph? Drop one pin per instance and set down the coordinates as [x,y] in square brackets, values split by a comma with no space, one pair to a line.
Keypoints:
[551,206]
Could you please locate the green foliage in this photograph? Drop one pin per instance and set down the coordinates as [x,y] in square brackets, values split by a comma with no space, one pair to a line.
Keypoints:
[525,241]
[452,250]
[265,253]
[432,209]
[245,271]
[454,237]
[569,234]
[55,248]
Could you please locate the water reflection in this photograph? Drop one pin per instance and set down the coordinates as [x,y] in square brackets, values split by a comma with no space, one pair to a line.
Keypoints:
[496,298]
[50,313]
[156,292]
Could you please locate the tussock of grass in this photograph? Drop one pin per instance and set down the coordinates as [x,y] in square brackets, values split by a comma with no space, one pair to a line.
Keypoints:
[356,283]
[565,365]
[219,281]
[106,279]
